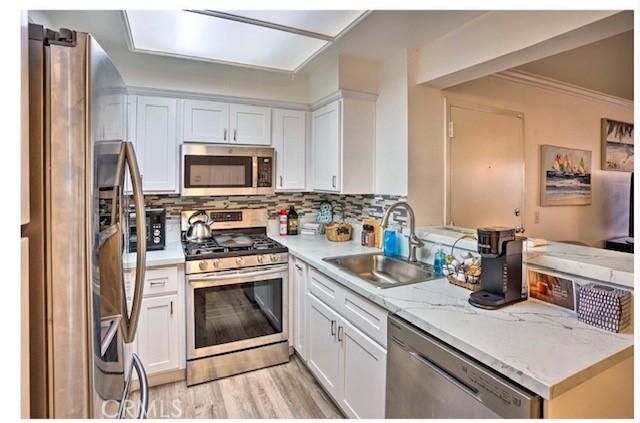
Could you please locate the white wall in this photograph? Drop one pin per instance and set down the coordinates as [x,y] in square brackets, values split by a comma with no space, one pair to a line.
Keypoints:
[392,126]
[549,118]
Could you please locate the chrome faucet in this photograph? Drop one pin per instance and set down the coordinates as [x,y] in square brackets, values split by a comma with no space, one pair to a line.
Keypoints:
[414,242]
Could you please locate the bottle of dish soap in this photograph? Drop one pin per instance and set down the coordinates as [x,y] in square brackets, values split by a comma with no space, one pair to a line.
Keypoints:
[438,262]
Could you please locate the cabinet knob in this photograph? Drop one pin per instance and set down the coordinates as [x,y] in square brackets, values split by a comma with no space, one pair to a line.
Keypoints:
[333,181]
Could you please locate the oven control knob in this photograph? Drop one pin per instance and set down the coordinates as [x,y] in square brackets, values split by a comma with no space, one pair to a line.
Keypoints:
[274,258]
[239,260]
[260,259]
[216,262]
[202,265]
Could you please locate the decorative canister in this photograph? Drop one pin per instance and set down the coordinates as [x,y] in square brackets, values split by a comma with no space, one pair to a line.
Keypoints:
[605,307]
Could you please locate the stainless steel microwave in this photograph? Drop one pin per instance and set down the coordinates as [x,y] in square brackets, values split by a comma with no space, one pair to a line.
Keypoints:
[224,170]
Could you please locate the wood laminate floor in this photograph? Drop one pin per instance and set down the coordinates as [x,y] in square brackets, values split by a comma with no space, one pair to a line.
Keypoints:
[284,391]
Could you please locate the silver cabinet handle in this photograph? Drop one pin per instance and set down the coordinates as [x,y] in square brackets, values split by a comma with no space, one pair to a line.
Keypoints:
[333,328]
[281,181]
[144,389]
[340,333]
[130,323]
[298,267]
[171,307]
[155,283]
[224,136]
[333,181]
[235,134]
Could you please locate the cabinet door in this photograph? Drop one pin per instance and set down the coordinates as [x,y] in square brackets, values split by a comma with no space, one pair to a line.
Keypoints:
[156,143]
[323,352]
[158,338]
[363,370]
[289,143]
[299,307]
[250,124]
[205,121]
[326,148]
[112,117]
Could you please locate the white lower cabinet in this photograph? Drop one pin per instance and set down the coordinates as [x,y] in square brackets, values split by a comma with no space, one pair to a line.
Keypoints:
[298,284]
[158,334]
[347,361]
[160,337]
[324,350]
[364,368]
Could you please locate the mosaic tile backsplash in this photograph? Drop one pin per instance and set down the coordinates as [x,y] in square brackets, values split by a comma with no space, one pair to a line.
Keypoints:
[306,204]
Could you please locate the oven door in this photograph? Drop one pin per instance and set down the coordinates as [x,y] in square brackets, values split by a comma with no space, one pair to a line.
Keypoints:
[215,170]
[233,310]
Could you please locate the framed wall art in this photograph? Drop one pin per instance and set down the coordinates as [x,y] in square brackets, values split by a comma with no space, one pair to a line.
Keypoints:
[565,176]
[617,145]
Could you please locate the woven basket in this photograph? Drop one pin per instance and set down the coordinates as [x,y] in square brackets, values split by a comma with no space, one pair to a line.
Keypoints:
[339,231]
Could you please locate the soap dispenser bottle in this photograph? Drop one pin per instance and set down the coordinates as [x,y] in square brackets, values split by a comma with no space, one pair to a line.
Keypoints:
[438,261]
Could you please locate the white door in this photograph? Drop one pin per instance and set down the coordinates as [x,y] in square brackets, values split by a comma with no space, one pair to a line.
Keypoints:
[289,142]
[364,369]
[205,121]
[324,350]
[326,148]
[299,306]
[158,334]
[250,124]
[486,161]
[156,144]
[112,117]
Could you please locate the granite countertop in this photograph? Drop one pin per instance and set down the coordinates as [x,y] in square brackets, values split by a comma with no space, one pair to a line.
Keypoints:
[172,254]
[593,263]
[541,347]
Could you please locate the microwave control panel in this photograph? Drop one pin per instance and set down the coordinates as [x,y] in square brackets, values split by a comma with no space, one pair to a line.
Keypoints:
[265,172]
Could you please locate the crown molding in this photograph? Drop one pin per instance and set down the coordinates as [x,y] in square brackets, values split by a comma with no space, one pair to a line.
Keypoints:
[192,95]
[555,85]
[340,94]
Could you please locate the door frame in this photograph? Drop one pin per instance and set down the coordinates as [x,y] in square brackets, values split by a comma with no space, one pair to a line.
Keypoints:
[449,103]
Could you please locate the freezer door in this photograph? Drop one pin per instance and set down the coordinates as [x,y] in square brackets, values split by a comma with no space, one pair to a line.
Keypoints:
[113,162]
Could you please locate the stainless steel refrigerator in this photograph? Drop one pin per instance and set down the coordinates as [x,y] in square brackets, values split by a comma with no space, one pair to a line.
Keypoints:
[83,179]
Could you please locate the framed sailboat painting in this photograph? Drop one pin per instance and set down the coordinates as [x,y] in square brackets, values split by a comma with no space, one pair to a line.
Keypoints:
[565,178]
[617,145]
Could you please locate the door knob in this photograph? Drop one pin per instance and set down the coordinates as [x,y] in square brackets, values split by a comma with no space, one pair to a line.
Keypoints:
[516,211]
[519,229]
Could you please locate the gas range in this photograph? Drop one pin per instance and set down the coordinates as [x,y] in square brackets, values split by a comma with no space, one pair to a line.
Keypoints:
[239,240]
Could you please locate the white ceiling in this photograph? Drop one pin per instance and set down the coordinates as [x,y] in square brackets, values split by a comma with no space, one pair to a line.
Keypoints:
[605,66]
[227,39]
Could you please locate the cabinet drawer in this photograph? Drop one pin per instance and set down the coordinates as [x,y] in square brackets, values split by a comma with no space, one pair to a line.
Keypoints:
[325,289]
[160,281]
[366,316]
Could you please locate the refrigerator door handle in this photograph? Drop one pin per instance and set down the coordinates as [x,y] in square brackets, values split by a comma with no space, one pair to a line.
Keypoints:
[130,323]
[144,389]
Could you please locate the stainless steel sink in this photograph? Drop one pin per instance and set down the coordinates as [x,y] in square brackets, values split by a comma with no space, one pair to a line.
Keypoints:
[383,272]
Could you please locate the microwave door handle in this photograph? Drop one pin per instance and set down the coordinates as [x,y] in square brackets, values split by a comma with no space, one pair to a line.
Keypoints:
[254,164]
[131,322]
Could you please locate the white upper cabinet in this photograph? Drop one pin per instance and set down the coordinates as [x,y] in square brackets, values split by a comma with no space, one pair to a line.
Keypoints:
[343,146]
[288,135]
[326,148]
[205,121]
[156,144]
[249,124]
[112,117]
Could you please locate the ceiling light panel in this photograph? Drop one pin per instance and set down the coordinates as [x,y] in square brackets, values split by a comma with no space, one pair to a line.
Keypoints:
[201,37]
[327,22]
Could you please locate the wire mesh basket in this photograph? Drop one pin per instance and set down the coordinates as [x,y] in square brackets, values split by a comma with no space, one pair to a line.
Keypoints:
[465,272]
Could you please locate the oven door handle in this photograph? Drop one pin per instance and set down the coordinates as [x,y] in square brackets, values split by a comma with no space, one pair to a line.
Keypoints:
[236,275]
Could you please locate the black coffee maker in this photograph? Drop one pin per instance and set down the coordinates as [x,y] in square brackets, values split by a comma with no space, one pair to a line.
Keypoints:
[501,276]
